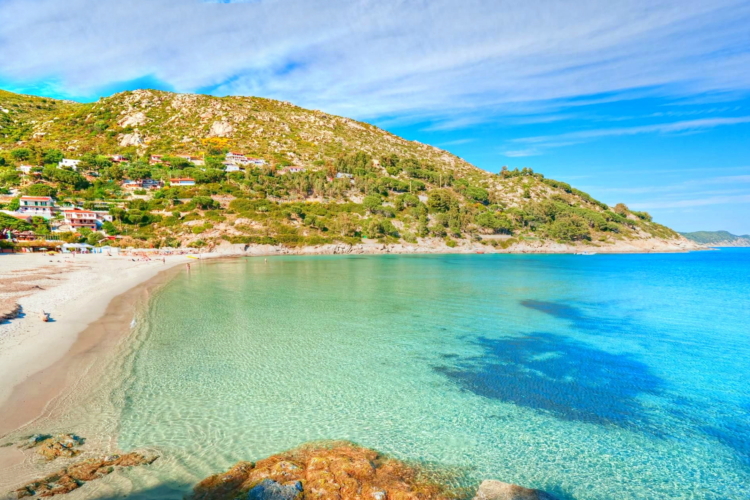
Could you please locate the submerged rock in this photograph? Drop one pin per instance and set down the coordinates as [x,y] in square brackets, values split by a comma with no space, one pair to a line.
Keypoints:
[498,490]
[51,447]
[337,471]
[60,446]
[269,489]
[75,476]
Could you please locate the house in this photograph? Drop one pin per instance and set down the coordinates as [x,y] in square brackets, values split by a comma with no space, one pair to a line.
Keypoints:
[195,160]
[182,182]
[26,169]
[256,161]
[103,216]
[118,158]
[154,159]
[151,184]
[231,167]
[130,184]
[342,175]
[42,206]
[236,158]
[78,219]
[67,162]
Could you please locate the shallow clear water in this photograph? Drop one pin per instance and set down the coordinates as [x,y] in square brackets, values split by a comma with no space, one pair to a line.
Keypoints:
[594,377]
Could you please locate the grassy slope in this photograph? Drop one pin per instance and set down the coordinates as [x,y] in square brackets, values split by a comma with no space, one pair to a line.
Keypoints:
[146,121]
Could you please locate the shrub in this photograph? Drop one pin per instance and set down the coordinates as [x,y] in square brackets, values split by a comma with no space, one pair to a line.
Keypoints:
[569,228]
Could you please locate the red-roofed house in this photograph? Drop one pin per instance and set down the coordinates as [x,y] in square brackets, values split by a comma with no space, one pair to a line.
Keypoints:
[42,206]
[80,218]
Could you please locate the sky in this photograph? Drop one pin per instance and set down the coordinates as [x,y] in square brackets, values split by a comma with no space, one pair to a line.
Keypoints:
[645,102]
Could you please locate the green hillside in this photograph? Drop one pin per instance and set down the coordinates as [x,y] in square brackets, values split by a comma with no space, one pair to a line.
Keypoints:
[718,238]
[358,181]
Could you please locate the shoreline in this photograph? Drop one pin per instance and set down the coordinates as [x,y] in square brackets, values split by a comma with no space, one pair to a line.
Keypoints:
[52,357]
[31,348]
[48,344]
[72,318]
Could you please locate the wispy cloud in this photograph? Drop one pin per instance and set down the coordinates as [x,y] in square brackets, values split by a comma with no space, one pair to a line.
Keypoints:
[694,202]
[457,142]
[449,61]
[546,142]
[520,153]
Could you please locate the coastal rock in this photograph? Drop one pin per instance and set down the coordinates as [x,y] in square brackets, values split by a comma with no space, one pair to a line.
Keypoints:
[60,446]
[10,310]
[498,490]
[75,476]
[52,447]
[336,471]
[269,489]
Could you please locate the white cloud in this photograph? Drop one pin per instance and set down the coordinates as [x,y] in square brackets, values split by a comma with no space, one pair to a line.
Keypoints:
[694,202]
[437,59]
[544,142]
[521,153]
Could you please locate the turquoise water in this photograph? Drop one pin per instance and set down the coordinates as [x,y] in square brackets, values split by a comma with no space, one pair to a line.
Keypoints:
[601,377]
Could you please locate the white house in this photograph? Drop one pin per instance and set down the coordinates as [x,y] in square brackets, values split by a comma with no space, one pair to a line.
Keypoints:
[343,175]
[26,169]
[236,158]
[67,162]
[42,206]
[231,167]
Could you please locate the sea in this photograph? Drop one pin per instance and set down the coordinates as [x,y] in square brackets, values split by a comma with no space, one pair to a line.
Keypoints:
[590,377]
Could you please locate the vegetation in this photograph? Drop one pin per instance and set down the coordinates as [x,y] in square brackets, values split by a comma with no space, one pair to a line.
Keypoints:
[356,181]
[718,237]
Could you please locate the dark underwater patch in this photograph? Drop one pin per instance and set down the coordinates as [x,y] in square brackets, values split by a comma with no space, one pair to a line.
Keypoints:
[556,309]
[734,432]
[558,376]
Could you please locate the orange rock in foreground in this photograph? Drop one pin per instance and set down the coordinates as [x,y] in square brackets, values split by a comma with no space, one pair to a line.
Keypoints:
[340,471]
[73,477]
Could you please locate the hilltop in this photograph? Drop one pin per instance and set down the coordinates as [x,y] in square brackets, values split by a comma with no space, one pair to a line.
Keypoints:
[268,172]
[718,238]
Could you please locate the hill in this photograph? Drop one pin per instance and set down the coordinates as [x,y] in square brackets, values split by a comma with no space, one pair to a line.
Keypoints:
[718,238]
[303,178]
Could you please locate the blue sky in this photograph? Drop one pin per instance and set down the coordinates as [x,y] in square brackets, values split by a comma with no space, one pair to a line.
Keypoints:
[645,102]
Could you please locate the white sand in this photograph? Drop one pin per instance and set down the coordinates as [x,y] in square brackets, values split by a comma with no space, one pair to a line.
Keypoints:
[75,298]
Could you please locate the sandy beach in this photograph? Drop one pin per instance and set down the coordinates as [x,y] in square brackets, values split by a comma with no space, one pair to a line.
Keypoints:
[75,291]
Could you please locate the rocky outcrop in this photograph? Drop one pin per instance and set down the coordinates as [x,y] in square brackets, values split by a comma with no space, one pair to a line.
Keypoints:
[337,471]
[221,129]
[52,447]
[75,476]
[498,490]
[9,310]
